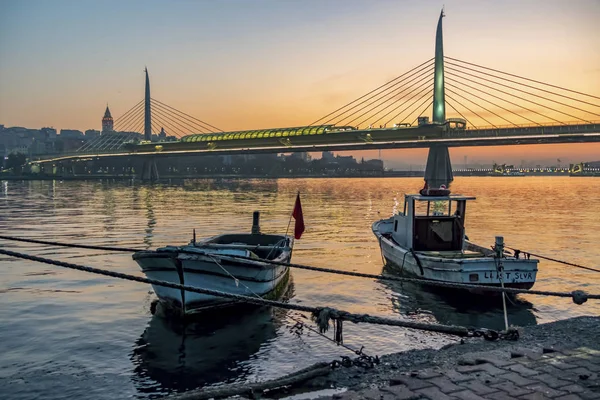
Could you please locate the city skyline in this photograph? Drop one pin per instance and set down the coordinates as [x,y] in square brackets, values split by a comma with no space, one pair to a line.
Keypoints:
[270,64]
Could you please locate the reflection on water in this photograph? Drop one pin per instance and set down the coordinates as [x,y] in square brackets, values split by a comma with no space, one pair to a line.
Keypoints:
[149,202]
[94,336]
[455,308]
[183,356]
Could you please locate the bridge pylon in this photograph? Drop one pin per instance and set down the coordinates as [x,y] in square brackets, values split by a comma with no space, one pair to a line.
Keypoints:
[149,170]
[147,110]
[439,168]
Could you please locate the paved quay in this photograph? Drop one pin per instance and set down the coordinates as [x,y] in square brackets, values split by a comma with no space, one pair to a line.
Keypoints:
[560,360]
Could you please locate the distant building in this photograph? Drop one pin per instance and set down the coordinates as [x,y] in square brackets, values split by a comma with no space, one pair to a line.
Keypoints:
[48,133]
[107,121]
[71,134]
[92,133]
[328,156]
[162,136]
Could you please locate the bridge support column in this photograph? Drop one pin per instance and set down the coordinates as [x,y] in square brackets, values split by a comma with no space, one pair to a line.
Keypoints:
[149,170]
[438,171]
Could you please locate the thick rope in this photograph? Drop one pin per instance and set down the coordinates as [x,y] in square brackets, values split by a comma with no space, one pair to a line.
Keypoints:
[79,246]
[577,293]
[323,313]
[418,280]
[313,371]
[554,259]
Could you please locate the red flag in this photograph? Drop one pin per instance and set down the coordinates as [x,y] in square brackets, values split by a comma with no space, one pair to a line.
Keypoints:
[297,214]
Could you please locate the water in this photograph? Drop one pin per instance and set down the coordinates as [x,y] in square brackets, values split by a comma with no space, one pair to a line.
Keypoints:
[70,334]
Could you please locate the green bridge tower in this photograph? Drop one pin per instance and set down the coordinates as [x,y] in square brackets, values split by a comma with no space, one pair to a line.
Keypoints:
[439,169]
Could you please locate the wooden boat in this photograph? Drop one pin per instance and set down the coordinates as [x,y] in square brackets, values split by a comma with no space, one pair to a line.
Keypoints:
[231,263]
[427,239]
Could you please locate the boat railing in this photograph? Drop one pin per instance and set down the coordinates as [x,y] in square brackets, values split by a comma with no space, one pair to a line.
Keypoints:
[199,245]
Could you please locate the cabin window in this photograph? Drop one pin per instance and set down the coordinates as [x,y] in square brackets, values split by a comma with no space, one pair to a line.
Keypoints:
[396,226]
[436,228]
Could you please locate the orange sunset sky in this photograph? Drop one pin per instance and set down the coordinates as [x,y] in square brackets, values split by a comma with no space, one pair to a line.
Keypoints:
[241,64]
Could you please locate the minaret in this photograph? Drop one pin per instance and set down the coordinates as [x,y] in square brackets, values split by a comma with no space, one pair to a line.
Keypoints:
[107,121]
[147,114]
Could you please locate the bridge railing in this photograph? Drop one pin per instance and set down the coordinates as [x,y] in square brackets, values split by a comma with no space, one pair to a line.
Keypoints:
[532,125]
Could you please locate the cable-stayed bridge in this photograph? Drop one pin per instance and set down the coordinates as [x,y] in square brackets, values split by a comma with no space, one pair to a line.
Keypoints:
[442,102]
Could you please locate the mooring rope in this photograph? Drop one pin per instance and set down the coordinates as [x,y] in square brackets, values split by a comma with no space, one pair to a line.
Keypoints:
[80,246]
[578,296]
[553,259]
[575,294]
[321,314]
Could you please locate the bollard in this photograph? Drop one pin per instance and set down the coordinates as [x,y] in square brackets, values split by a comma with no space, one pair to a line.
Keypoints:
[255,223]
[499,246]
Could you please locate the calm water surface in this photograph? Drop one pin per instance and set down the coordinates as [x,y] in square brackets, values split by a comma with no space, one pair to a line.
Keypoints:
[69,334]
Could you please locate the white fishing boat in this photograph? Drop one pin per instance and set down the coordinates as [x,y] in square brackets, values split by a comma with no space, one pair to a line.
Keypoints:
[233,263]
[427,239]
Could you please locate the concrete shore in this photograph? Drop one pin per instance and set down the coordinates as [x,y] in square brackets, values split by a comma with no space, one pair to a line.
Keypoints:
[558,360]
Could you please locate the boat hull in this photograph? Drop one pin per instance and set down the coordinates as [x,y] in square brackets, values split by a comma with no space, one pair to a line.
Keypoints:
[214,272]
[465,269]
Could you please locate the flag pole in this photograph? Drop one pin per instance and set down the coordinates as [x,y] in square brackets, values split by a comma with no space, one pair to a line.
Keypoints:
[290,221]
[291,215]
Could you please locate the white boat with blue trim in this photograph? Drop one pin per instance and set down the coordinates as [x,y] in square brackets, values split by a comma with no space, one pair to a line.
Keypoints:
[427,240]
[239,263]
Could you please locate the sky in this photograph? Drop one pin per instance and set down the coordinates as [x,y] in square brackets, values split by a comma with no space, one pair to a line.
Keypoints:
[241,64]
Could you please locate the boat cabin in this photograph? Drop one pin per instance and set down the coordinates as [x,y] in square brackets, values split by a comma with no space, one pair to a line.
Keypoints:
[431,223]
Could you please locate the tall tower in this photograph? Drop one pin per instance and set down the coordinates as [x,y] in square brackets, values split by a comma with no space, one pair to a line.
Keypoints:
[438,171]
[147,113]
[439,100]
[107,121]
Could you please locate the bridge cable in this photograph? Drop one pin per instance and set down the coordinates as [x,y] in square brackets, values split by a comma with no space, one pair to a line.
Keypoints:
[191,119]
[497,105]
[189,116]
[391,111]
[122,118]
[424,81]
[196,123]
[454,71]
[422,93]
[173,124]
[128,133]
[426,88]
[471,101]
[422,112]
[170,130]
[421,72]
[174,118]
[459,113]
[374,90]
[524,84]
[417,107]
[116,140]
[183,122]
[391,95]
[112,136]
[117,120]
[514,95]
[131,117]
[468,109]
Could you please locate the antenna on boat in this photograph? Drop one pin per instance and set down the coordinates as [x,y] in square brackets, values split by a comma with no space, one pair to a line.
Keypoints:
[194,237]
